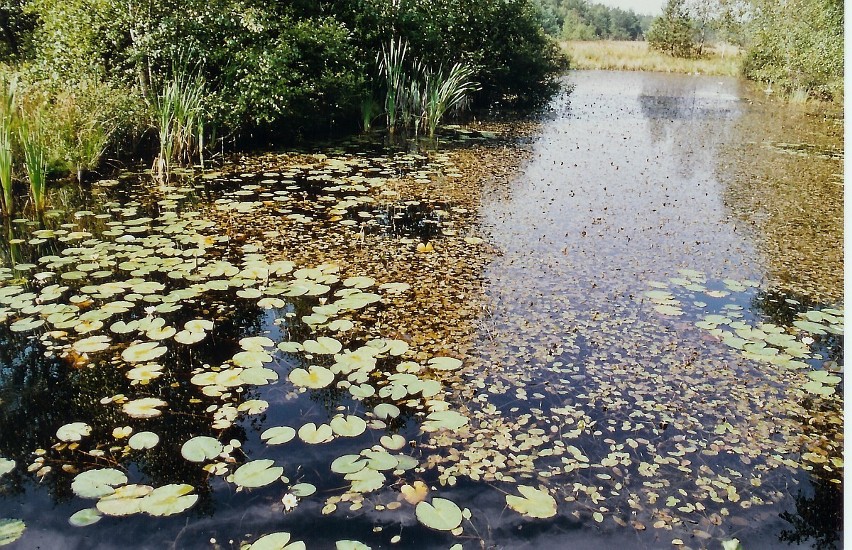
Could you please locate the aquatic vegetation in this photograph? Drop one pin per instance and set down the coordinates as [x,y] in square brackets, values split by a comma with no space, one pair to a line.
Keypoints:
[444,92]
[33,142]
[8,93]
[179,120]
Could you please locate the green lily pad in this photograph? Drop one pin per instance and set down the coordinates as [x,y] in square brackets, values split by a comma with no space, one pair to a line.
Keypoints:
[145,407]
[168,500]
[143,440]
[311,433]
[350,545]
[6,465]
[97,483]
[322,346]
[276,541]
[441,514]
[84,517]
[11,530]
[444,363]
[278,435]
[92,344]
[257,473]
[74,431]
[444,420]
[348,426]
[125,501]
[201,448]
[315,377]
[534,503]
[366,480]
[303,489]
[348,464]
[146,351]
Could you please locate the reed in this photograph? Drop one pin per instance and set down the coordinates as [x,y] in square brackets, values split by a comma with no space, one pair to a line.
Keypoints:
[445,91]
[33,142]
[8,92]
[178,117]
[391,62]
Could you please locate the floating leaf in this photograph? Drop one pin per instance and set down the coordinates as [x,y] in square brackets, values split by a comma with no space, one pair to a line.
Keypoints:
[168,500]
[444,420]
[144,408]
[414,493]
[74,431]
[6,465]
[126,500]
[276,541]
[92,344]
[146,351]
[278,435]
[84,517]
[11,530]
[348,426]
[534,503]
[441,514]
[366,480]
[315,377]
[201,448]
[303,489]
[143,440]
[311,433]
[257,473]
[97,483]
[348,464]
[322,346]
[444,363]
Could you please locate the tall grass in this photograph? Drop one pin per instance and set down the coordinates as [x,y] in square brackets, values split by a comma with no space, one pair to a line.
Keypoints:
[80,132]
[417,95]
[719,59]
[33,142]
[397,81]
[445,91]
[178,110]
[8,92]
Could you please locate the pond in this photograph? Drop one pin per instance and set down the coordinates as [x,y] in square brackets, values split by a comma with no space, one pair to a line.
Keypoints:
[620,325]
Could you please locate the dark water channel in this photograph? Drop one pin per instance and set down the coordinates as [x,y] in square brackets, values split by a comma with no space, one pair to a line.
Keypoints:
[652,352]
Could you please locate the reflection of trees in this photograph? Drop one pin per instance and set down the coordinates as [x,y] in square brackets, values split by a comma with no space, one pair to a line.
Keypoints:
[818,516]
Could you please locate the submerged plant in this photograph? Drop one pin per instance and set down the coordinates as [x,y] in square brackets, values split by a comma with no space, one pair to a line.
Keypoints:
[33,143]
[8,90]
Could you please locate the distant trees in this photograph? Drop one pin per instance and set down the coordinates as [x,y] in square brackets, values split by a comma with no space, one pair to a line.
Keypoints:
[582,20]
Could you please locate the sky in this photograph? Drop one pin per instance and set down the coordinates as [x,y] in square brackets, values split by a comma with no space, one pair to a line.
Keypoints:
[647,7]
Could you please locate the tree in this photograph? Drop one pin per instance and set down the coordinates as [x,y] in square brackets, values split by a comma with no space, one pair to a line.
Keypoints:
[673,32]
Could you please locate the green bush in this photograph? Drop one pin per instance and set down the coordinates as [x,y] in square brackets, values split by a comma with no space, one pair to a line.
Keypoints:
[797,46]
[673,32]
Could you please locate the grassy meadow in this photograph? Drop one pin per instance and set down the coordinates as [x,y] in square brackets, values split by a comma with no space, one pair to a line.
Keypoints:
[722,59]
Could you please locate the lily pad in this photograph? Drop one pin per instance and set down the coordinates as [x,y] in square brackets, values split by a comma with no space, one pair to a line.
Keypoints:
[348,426]
[201,448]
[74,431]
[97,483]
[534,503]
[278,435]
[315,377]
[146,351]
[11,530]
[311,433]
[257,473]
[168,500]
[84,517]
[143,440]
[441,514]
[276,541]
[145,407]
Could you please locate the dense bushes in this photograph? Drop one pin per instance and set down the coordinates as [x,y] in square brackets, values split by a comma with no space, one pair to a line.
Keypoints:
[296,67]
[797,46]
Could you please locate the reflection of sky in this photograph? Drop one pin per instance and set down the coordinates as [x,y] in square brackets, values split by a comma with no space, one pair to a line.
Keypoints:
[642,7]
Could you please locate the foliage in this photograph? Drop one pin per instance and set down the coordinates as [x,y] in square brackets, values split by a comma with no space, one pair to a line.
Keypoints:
[8,89]
[16,28]
[582,20]
[673,31]
[445,91]
[797,46]
[34,143]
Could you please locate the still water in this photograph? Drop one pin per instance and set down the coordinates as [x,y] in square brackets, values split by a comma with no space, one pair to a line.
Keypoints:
[641,333]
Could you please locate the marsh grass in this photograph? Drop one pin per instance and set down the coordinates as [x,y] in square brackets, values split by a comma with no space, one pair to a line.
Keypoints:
[34,144]
[178,118]
[8,92]
[446,91]
[418,96]
[719,60]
